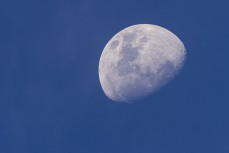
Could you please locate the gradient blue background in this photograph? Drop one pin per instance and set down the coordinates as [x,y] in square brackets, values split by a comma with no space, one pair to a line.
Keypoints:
[50,97]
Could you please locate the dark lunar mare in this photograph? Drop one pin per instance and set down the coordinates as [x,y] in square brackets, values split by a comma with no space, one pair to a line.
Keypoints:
[129,54]
[114,44]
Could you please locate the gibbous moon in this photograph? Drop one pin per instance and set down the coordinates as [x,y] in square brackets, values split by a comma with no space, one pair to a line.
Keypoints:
[138,61]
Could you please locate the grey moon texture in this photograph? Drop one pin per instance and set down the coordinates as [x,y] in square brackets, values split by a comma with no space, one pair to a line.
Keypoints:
[138,61]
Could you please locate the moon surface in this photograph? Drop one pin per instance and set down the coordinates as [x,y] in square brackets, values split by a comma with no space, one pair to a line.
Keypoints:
[138,61]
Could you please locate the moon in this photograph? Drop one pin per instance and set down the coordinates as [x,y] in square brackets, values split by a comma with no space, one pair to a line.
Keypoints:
[138,61]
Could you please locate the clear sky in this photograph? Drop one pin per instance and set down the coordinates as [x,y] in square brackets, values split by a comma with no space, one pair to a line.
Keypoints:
[51,100]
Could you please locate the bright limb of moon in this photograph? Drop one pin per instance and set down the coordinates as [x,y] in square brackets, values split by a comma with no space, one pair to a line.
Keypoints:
[138,61]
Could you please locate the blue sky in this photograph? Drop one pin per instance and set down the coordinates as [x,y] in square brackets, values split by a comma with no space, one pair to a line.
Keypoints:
[50,97]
